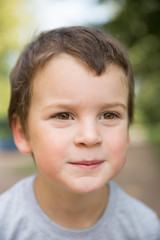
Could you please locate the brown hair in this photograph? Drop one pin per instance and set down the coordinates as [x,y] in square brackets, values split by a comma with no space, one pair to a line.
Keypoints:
[94,48]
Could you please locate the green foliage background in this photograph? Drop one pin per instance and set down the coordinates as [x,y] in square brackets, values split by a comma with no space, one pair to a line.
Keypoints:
[15,17]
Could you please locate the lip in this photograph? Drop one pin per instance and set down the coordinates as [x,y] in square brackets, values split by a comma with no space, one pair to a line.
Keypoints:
[85,164]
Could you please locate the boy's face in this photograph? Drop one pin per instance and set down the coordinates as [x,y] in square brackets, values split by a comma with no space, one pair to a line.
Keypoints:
[78,124]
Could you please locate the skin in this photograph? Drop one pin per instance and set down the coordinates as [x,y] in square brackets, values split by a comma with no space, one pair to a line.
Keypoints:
[77,129]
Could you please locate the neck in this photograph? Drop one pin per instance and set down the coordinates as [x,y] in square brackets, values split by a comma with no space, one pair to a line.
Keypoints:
[68,209]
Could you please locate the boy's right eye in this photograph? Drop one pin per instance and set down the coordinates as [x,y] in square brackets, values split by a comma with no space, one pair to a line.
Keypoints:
[63,116]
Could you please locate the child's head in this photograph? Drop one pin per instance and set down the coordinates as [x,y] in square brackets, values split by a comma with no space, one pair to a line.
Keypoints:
[72,101]
[95,49]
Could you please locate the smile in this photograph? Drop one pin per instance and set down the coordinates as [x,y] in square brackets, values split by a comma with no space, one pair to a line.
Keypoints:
[87,164]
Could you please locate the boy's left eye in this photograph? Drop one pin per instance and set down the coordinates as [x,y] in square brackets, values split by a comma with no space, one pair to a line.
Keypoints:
[109,115]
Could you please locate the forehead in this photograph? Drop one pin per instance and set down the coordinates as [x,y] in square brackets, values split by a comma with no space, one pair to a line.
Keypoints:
[64,73]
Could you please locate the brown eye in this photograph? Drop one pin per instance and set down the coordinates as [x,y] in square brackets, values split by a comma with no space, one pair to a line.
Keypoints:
[63,116]
[109,115]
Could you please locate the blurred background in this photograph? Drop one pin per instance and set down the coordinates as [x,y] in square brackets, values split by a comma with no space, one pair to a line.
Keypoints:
[136,25]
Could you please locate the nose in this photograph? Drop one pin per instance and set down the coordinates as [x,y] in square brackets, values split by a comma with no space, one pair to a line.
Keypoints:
[88,134]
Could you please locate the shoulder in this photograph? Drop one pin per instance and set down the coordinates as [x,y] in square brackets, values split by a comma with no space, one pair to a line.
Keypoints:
[133,214]
[129,204]
[15,192]
[13,206]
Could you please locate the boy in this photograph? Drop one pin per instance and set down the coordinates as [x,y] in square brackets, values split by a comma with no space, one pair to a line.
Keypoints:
[71,106]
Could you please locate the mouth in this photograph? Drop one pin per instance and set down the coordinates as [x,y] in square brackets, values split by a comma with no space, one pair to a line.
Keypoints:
[84,164]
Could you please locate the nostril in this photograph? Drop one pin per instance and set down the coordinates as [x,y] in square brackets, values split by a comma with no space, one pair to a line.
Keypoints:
[88,141]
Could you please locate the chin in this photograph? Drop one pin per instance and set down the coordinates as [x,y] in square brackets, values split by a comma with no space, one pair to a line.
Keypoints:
[86,185]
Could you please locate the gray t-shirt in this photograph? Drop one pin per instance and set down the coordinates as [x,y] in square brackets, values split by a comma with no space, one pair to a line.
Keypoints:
[125,218]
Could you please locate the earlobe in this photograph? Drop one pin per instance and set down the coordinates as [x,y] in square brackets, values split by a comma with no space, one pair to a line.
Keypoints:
[20,138]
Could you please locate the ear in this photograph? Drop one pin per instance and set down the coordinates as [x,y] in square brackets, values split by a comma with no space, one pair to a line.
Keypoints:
[20,138]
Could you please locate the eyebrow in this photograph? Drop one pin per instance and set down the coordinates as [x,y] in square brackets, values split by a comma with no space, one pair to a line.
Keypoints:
[110,105]
[68,104]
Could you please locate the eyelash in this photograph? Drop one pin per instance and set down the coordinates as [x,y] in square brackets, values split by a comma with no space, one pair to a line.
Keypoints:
[62,115]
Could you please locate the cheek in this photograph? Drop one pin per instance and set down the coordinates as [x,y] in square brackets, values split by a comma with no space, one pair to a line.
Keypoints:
[50,151]
[117,150]
[58,144]
[49,142]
